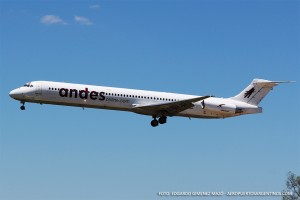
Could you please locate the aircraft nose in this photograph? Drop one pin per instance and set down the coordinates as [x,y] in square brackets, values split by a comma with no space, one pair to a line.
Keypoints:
[15,94]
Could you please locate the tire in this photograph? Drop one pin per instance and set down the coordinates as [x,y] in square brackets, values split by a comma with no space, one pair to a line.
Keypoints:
[154,123]
[162,120]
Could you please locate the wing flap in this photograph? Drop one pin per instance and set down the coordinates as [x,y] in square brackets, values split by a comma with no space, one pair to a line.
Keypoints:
[170,108]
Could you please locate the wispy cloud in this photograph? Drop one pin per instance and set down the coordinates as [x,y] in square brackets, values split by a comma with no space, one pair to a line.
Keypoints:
[82,20]
[96,6]
[52,19]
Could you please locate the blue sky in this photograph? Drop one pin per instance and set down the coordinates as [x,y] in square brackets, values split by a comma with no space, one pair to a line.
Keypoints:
[193,47]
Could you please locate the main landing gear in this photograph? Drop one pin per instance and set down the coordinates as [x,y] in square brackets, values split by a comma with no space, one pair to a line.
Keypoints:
[22,106]
[161,120]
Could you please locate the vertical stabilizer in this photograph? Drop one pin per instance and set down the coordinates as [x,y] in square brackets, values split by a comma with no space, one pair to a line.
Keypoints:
[256,91]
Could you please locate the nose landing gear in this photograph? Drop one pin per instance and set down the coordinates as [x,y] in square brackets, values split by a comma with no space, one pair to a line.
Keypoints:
[22,106]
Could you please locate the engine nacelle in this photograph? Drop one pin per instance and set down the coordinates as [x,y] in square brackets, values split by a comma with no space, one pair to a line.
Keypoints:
[221,108]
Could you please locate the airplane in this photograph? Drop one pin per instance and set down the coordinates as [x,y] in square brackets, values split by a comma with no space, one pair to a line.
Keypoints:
[156,104]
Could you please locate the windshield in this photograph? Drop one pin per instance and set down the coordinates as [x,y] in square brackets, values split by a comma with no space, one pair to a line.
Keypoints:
[27,85]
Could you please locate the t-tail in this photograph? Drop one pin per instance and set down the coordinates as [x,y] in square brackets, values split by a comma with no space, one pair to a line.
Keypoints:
[256,91]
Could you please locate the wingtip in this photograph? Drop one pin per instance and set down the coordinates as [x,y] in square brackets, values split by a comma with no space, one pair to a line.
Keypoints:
[208,96]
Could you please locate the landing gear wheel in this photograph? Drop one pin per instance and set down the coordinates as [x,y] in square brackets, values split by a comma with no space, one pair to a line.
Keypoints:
[154,123]
[22,106]
[162,120]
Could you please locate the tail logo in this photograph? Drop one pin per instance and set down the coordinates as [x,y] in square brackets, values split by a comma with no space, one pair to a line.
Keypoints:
[249,93]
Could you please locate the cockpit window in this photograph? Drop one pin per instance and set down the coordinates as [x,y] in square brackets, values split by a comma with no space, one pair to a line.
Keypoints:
[28,85]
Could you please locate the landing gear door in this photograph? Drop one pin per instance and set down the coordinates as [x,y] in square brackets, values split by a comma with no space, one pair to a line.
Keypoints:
[38,91]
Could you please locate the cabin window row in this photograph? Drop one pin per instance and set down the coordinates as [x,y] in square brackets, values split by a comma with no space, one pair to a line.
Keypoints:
[51,88]
[140,97]
[128,95]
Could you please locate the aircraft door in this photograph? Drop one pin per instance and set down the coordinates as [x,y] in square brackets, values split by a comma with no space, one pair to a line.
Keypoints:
[38,90]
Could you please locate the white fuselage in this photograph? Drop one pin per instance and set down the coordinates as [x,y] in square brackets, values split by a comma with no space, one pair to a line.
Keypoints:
[90,96]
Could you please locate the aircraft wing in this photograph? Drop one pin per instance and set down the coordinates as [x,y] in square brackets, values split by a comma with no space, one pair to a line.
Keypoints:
[169,108]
